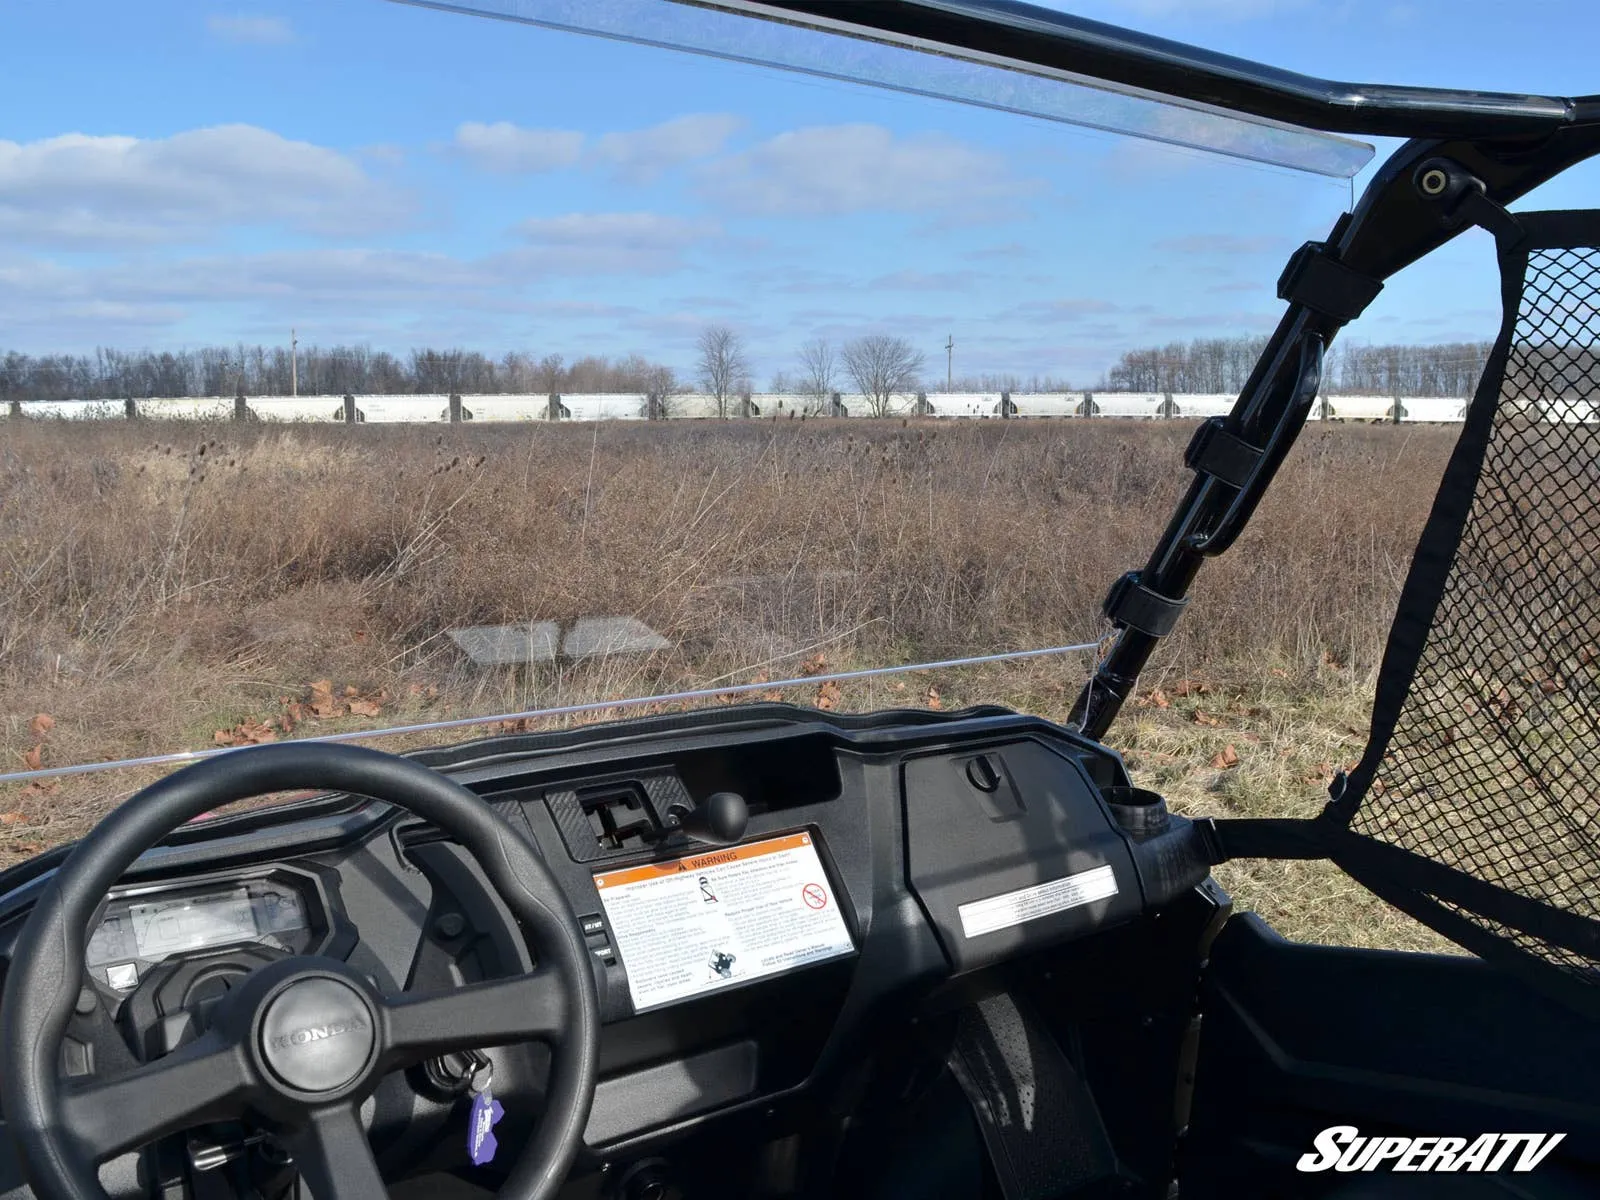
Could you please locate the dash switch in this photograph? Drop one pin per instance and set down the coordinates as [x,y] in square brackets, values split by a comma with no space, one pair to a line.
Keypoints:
[594,933]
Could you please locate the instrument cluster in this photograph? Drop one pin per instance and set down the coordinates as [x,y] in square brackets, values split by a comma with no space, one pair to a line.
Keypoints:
[141,927]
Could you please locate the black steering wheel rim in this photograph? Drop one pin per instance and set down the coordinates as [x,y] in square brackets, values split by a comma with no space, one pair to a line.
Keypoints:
[47,967]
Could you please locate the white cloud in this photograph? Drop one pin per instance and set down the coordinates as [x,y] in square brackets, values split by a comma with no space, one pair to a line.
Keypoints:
[339,287]
[509,149]
[1206,324]
[84,190]
[636,230]
[633,156]
[251,31]
[910,280]
[643,155]
[385,154]
[1073,309]
[828,170]
[790,280]
[639,241]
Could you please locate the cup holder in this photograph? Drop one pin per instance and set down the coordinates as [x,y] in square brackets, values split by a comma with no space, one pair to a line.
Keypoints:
[1141,813]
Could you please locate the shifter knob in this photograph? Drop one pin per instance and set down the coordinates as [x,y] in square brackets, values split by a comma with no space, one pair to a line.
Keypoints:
[721,817]
[726,815]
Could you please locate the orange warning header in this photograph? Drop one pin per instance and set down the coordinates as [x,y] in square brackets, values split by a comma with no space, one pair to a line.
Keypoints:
[699,862]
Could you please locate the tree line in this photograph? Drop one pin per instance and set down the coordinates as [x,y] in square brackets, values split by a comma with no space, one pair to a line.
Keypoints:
[317,371]
[1223,365]
[877,366]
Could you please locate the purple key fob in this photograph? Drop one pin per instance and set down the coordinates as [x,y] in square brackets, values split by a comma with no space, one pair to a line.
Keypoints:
[485,1115]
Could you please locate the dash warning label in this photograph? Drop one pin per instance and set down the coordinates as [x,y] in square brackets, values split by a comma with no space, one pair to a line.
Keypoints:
[696,924]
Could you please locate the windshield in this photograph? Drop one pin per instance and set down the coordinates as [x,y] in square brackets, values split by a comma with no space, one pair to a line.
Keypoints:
[380,366]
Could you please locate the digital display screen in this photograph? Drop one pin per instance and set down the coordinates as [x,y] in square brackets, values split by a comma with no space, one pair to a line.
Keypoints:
[278,910]
[166,924]
[171,922]
[112,941]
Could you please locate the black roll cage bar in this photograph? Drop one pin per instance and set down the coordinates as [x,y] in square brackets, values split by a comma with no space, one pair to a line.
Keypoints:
[1045,38]
[1470,154]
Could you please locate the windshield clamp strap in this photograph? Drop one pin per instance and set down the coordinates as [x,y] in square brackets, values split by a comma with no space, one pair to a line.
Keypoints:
[1222,455]
[1317,280]
[1131,605]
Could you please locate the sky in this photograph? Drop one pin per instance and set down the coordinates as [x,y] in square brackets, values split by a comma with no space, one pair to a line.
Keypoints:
[176,173]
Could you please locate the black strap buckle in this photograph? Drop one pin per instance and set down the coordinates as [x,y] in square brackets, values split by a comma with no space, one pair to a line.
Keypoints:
[1483,212]
[1131,605]
[1216,452]
[1320,282]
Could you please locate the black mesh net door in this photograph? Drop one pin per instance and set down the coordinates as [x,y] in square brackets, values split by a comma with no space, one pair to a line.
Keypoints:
[1477,804]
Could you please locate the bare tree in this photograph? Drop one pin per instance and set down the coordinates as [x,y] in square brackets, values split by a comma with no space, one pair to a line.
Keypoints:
[660,385]
[723,366]
[550,375]
[819,374]
[881,366]
[446,371]
[516,372]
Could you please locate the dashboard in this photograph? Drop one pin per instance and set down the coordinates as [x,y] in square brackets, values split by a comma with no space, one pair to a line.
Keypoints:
[884,856]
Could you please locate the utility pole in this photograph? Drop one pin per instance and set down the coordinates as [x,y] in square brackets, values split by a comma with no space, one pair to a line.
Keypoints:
[294,364]
[949,359]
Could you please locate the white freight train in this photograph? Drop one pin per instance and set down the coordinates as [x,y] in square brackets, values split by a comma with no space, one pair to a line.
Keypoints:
[635,406]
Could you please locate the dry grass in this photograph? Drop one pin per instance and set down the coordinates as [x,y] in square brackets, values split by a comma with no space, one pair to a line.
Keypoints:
[165,582]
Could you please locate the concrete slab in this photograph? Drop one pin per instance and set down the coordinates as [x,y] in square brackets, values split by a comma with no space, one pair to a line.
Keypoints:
[504,645]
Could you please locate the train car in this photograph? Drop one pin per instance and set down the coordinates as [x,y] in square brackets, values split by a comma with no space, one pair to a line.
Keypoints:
[1433,410]
[1359,408]
[394,410]
[1192,405]
[294,409]
[702,406]
[1144,406]
[782,405]
[74,410]
[1046,404]
[1570,410]
[507,408]
[178,408]
[962,404]
[691,406]
[605,406]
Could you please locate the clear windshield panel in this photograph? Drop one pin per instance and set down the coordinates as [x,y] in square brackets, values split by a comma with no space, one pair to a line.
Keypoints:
[948,74]
[506,401]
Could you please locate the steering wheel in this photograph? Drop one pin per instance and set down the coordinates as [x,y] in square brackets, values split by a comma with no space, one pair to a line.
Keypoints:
[297,1045]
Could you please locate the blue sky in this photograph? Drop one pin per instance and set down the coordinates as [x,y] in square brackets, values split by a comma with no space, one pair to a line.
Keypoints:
[174,172]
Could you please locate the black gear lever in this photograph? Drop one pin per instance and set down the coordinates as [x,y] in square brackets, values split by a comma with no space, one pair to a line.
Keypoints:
[720,819]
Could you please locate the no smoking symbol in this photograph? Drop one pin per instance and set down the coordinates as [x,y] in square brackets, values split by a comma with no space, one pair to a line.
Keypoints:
[814,896]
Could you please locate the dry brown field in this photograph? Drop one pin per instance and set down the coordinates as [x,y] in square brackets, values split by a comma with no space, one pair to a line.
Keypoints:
[170,586]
